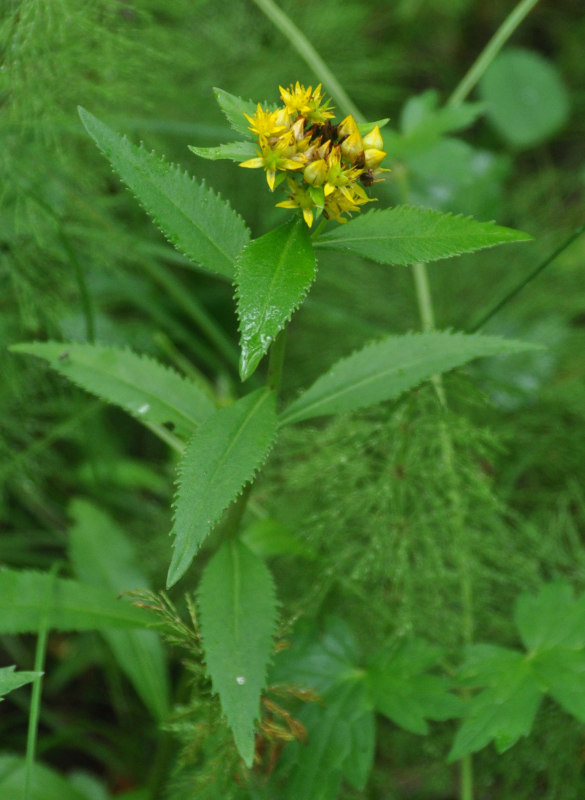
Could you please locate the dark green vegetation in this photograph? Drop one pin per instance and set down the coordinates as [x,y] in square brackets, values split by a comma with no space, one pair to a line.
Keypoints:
[384,528]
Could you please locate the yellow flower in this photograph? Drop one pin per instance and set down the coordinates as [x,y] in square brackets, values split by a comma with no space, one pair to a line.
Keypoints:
[272,160]
[326,166]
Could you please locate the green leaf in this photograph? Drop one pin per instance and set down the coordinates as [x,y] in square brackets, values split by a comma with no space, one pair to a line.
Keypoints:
[365,127]
[273,275]
[195,219]
[268,537]
[406,234]
[339,741]
[504,712]
[422,116]
[563,673]
[46,784]
[103,557]
[10,680]
[238,610]
[28,598]
[401,691]
[234,109]
[140,385]
[551,618]
[318,659]
[233,151]
[218,461]
[384,370]
[525,97]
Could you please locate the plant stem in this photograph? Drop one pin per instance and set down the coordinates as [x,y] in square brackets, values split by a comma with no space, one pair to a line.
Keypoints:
[82,284]
[35,706]
[276,361]
[308,53]
[490,51]
[513,292]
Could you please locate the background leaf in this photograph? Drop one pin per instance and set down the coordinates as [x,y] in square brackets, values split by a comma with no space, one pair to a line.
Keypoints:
[46,784]
[103,557]
[383,370]
[142,386]
[504,712]
[551,618]
[195,219]
[10,679]
[238,620]
[27,596]
[273,274]
[406,234]
[403,692]
[526,100]
[218,461]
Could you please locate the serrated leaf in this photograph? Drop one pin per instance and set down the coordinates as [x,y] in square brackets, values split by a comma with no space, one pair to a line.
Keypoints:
[233,151]
[46,784]
[384,370]
[10,679]
[486,665]
[238,611]
[273,275]
[195,219]
[401,691]
[406,234]
[551,618]
[234,109]
[28,599]
[140,385]
[218,461]
[103,557]
[502,713]
[563,673]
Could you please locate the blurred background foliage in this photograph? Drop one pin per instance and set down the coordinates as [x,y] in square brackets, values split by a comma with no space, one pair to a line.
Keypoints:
[80,261]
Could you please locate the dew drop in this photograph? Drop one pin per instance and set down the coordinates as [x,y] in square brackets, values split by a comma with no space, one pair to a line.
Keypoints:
[240,680]
[143,409]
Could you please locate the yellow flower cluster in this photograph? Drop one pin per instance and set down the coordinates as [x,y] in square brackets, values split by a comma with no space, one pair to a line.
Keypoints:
[326,166]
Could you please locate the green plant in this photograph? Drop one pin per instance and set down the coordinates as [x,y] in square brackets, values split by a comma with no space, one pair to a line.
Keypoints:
[326,686]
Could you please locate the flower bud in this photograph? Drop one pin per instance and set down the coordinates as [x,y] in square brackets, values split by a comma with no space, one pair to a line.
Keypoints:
[374,139]
[315,173]
[373,158]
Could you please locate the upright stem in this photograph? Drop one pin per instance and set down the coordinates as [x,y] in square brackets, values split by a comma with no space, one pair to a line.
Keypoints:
[490,51]
[308,53]
[276,361]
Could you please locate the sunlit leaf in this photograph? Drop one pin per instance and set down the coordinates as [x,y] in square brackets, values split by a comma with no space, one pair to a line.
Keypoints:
[407,234]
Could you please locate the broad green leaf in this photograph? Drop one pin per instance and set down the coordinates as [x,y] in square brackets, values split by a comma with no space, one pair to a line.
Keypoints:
[28,598]
[503,713]
[338,742]
[46,784]
[525,97]
[563,673]
[318,658]
[238,611]
[406,234]
[384,370]
[218,461]
[401,691]
[233,151]
[422,115]
[268,537]
[103,557]
[142,386]
[10,680]
[197,221]
[551,618]
[273,275]
[486,665]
